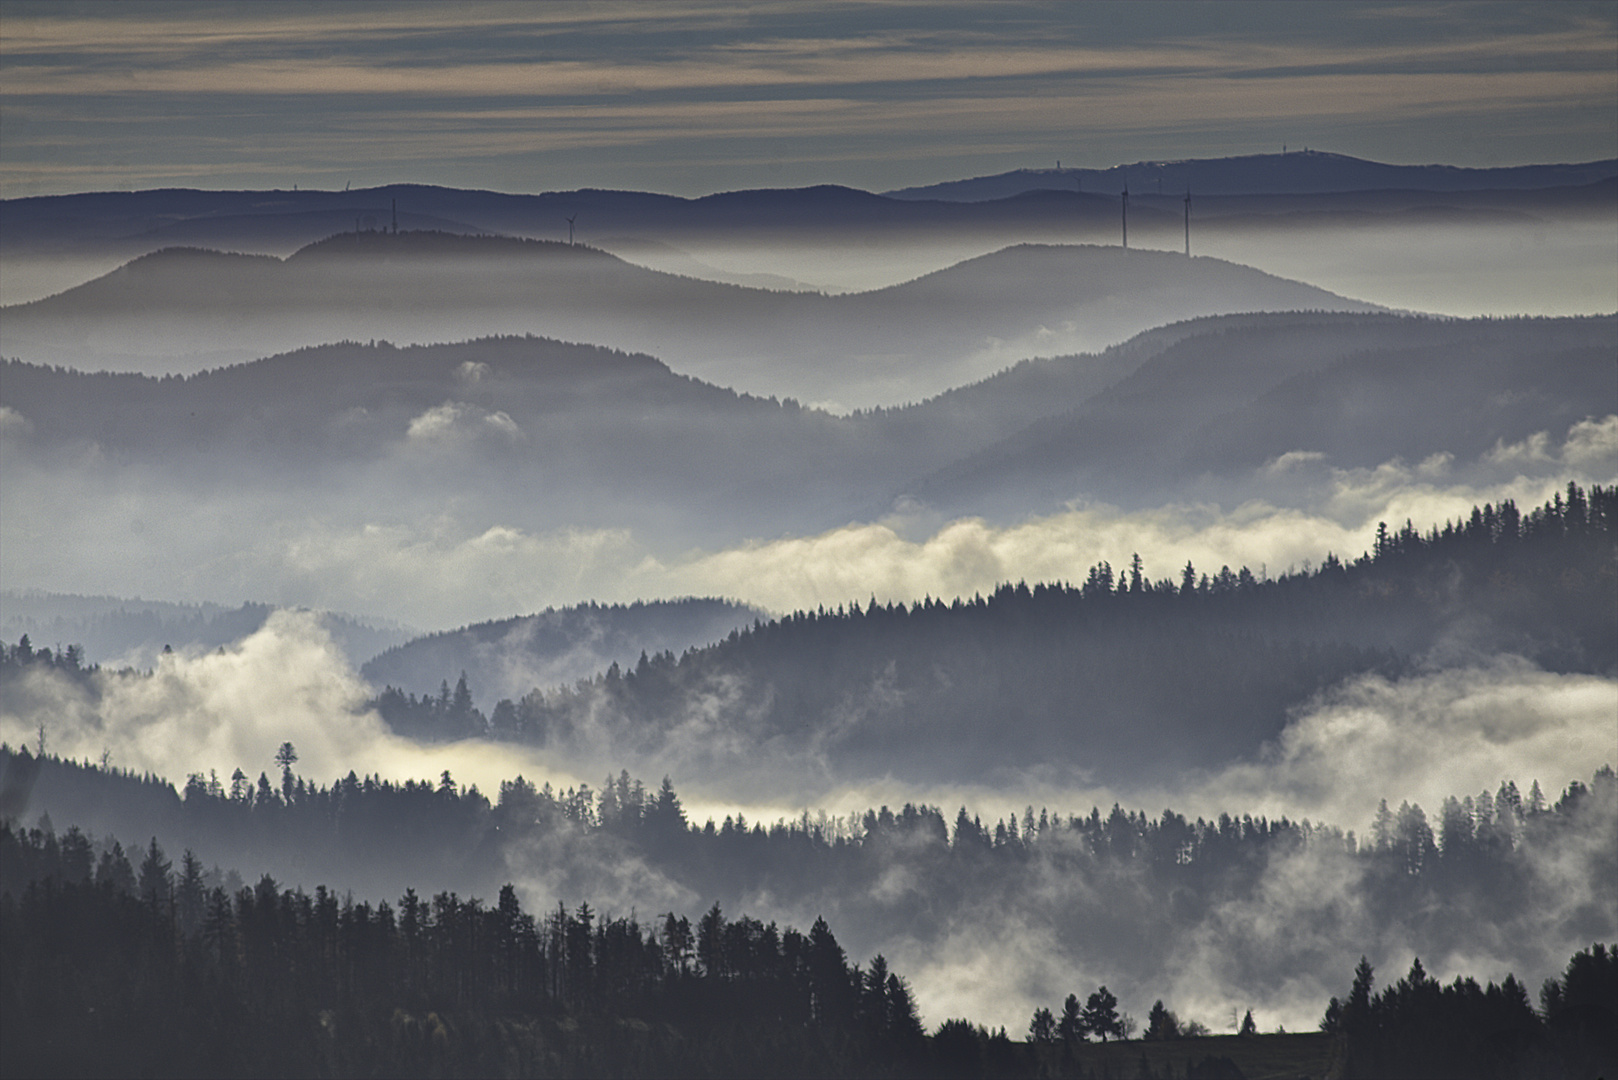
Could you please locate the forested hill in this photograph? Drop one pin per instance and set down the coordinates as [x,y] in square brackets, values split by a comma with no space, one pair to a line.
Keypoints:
[1123,673]
[174,976]
[1164,890]
[1231,396]
[540,435]
[509,657]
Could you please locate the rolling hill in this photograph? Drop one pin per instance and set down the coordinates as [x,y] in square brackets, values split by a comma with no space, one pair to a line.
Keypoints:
[507,658]
[183,309]
[540,434]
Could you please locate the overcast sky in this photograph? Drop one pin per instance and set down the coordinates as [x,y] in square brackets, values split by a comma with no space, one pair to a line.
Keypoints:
[688,97]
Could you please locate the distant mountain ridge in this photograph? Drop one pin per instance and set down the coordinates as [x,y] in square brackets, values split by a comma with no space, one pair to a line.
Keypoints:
[1299,172]
[1025,204]
[884,347]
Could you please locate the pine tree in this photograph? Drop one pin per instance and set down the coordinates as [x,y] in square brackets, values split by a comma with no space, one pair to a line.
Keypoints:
[156,883]
[1070,1028]
[189,895]
[1160,1023]
[1101,1015]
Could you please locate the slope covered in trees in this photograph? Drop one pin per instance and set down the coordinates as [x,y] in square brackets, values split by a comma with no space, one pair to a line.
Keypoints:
[506,658]
[1208,412]
[1142,898]
[1120,673]
[172,978]
[1417,1027]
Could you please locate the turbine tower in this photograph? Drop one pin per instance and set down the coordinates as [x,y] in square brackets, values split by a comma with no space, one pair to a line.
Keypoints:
[1126,217]
[1188,222]
[570,230]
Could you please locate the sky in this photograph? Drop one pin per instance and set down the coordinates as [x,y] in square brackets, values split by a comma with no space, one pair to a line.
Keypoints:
[690,97]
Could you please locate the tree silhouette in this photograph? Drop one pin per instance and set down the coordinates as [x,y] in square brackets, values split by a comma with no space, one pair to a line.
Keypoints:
[156,883]
[286,757]
[1101,1015]
[1161,1023]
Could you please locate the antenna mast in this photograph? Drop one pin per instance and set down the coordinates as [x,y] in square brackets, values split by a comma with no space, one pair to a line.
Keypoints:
[395,217]
[1126,217]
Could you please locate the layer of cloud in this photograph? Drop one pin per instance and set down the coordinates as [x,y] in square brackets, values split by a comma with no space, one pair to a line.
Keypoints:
[454,565]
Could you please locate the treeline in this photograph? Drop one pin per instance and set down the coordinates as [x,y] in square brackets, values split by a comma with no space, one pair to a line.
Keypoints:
[112,972]
[18,659]
[161,976]
[1485,854]
[359,818]
[508,657]
[1419,1028]
[1121,671]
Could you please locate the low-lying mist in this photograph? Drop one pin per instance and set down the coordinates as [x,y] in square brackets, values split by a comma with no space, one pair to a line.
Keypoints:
[86,527]
[997,938]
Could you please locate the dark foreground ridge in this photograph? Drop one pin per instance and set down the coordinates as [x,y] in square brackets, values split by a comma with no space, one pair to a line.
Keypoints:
[170,978]
[108,973]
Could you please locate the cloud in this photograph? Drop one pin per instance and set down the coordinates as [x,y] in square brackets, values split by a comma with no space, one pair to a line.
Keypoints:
[1449,732]
[233,707]
[570,866]
[458,421]
[1592,447]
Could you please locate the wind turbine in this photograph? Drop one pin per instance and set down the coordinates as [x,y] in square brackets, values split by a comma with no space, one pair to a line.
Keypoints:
[570,230]
[1126,217]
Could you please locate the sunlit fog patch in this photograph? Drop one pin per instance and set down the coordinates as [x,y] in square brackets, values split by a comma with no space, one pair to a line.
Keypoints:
[458,421]
[1420,739]
[967,556]
[841,267]
[233,708]
[1423,738]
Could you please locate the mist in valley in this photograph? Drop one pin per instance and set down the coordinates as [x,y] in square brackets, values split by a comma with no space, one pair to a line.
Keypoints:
[1023,605]
[622,539]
